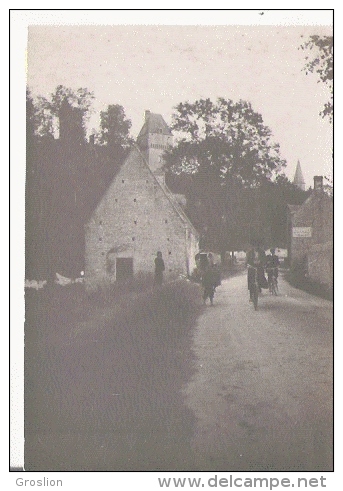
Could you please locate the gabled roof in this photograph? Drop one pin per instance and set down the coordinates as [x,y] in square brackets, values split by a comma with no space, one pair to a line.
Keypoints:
[154,123]
[166,191]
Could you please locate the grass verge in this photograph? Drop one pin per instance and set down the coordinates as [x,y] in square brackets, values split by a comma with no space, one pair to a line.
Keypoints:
[104,377]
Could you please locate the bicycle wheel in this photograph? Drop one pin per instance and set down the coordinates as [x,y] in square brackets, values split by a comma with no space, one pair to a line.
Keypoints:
[255,296]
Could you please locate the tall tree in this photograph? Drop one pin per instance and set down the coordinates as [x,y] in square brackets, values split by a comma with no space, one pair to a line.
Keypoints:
[48,109]
[64,178]
[81,98]
[226,138]
[114,130]
[321,62]
[30,115]
[228,152]
[274,198]
[39,120]
[56,171]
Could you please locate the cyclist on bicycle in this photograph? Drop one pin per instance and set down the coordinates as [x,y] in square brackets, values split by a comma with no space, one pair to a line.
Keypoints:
[256,259]
[272,265]
[210,279]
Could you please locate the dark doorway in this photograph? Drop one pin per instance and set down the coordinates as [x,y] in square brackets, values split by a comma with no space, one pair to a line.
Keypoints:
[124,268]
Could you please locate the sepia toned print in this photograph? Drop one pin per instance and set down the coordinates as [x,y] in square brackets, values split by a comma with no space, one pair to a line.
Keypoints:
[179,248]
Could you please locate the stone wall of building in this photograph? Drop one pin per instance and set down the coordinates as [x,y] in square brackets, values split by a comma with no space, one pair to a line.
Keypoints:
[313,252]
[316,214]
[135,219]
[320,263]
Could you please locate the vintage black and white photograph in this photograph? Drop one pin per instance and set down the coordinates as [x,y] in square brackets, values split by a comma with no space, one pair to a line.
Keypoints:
[179,243]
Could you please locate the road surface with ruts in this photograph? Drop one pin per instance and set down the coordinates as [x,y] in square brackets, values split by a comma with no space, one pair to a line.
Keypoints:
[262,391]
[239,390]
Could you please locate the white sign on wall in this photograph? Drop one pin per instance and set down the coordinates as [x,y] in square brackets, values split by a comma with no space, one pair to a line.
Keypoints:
[302,231]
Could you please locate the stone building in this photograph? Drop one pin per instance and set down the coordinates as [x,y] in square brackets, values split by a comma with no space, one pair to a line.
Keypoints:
[138,216]
[310,232]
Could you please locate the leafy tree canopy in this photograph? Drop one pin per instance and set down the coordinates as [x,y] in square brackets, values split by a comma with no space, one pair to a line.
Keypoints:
[114,127]
[227,164]
[31,115]
[224,139]
[321,62]
[46,110]
[81,98]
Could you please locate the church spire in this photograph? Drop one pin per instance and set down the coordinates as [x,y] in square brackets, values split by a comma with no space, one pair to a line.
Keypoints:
[299,178]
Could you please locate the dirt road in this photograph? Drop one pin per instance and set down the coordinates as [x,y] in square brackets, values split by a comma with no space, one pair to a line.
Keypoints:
[262,390]
[234,390]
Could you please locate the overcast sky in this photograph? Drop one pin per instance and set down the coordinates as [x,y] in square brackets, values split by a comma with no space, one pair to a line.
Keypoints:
[157,66]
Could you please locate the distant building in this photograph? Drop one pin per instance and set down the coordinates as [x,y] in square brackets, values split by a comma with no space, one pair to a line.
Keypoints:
[299,180]
[138,216]
[310,233]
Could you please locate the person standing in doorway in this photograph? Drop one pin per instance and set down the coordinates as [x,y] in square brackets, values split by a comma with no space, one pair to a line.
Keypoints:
[159,268]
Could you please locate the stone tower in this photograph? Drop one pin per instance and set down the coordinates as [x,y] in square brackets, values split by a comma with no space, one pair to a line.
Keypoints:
[153,139]
[299,180]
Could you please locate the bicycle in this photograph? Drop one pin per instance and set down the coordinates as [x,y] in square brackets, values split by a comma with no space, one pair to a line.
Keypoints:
[272,280]
[254,287]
